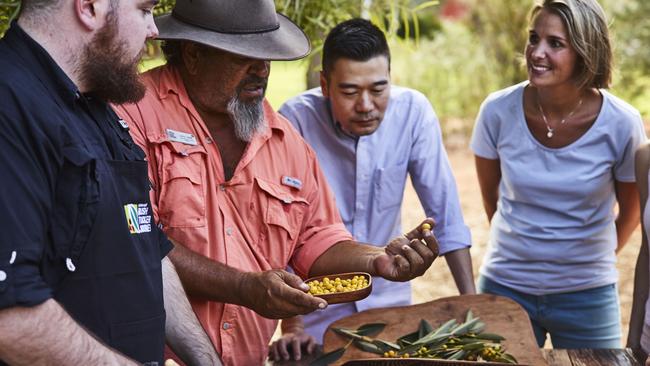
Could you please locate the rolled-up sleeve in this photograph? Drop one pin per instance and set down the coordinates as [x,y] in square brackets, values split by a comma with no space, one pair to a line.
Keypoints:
[25,196]
[323,227]
[435,185]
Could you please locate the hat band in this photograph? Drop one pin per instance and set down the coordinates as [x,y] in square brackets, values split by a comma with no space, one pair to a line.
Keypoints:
[210,27]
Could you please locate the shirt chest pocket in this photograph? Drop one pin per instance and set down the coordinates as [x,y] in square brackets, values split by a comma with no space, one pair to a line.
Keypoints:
[283,210]
[75,208]
[389,184]
[181,198]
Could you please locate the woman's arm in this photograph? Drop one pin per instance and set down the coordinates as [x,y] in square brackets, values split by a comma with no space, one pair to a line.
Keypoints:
[627,196]
[489,176]
[640,294]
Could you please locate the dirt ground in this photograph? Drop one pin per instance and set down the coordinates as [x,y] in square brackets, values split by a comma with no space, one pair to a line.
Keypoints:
[437,282]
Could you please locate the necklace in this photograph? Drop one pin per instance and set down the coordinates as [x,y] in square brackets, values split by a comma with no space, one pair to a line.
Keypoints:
[550,131]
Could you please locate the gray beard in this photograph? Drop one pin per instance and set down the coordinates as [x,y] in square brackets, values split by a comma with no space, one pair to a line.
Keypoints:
[247,117]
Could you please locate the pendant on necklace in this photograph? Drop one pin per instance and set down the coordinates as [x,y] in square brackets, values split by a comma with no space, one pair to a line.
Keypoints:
[549,134]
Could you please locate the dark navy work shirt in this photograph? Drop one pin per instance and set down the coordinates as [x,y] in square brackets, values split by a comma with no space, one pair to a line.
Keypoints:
[44,121]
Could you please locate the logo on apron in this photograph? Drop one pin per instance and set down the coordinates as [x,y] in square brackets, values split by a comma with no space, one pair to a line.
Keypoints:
[138,218]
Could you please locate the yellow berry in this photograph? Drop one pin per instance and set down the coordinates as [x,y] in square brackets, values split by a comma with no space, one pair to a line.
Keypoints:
[426,226]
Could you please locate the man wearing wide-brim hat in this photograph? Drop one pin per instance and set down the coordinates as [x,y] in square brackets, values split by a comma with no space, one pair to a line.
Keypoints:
[236,187]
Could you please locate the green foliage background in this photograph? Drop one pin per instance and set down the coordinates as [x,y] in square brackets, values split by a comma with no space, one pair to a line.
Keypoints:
[457,63]
[8,10]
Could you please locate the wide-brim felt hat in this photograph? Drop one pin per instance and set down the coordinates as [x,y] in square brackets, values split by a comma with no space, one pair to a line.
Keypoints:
[250,28]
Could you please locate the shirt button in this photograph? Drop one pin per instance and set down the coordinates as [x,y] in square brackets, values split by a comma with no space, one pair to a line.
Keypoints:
[226,325]
[222,187]
[3,276]
[208,140]
[70,265]
[229,233]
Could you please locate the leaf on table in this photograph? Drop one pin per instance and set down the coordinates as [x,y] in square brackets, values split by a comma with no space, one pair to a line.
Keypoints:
[368,347]
[477,328]
[408,339]
[469,316]
[328,358]
[490,337]
[465,327]
[385,345]
[507,358]
[347,332]
[424,328]
[371,329]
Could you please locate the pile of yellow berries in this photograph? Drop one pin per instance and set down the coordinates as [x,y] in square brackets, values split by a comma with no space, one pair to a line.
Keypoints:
[337,285]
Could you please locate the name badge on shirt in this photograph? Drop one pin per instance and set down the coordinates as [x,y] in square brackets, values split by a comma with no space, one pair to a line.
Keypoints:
[292,182]
[182,137]
[123,123]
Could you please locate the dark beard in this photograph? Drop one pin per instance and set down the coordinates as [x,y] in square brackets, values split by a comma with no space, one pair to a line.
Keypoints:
[248,117]
[105,70]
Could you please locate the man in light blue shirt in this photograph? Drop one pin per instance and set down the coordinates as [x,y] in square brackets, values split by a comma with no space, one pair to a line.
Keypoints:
[368,136]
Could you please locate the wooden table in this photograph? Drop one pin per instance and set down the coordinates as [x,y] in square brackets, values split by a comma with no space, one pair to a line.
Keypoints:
[502,316]
[554,357]
[591,357]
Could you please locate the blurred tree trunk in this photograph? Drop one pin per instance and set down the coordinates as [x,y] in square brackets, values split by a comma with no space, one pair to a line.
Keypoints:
[313,70]
[502,27]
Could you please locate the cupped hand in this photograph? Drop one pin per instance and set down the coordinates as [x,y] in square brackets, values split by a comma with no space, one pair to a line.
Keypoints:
[278,294]
[291,345]
[409,256]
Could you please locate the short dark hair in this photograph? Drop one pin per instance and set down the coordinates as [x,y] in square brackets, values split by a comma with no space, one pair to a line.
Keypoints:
[355,39]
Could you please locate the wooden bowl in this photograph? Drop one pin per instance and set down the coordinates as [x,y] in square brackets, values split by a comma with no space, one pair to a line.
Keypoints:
[420,362]
[349,296]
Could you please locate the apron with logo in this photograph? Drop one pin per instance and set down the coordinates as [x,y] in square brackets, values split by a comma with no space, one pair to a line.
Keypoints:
[105,264]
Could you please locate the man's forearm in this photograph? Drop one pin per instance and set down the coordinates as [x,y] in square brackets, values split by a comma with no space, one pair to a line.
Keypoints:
[273,294]
[46,334]
[346,256]
[460,265]
[205,278]
[183,331]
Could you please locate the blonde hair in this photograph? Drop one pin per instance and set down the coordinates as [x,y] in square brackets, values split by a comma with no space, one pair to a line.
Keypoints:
[589,35]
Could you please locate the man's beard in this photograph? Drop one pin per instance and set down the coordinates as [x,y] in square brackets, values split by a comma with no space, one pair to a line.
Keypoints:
[248,117]
[106,70]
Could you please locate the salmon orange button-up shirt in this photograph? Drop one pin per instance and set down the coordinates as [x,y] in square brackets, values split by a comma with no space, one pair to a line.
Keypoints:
[277,209]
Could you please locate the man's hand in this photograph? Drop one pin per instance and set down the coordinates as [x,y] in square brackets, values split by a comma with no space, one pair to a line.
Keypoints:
[277,294]
[408,256]
[290,346]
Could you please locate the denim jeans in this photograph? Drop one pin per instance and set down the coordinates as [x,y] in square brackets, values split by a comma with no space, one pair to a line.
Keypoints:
[581,319]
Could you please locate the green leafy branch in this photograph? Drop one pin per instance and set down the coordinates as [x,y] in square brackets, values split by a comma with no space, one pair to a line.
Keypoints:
[450,341]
